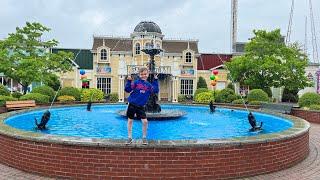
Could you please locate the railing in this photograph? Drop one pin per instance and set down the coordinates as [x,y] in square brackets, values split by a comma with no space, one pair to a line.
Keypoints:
[134,69]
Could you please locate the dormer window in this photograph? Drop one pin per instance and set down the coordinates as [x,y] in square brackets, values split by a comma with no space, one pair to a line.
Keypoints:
[103,55]
[188,57]
[137,48]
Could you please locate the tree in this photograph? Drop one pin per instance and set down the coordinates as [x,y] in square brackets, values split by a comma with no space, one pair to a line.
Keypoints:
[26,58]
[202,83]
[268,62]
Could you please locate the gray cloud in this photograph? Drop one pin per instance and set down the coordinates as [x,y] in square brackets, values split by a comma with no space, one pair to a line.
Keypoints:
[73,22]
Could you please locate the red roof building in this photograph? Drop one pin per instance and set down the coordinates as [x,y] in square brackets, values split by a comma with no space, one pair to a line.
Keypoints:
[209,61]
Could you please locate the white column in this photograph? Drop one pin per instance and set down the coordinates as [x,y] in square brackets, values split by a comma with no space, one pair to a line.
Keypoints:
[175,89]
[121,88]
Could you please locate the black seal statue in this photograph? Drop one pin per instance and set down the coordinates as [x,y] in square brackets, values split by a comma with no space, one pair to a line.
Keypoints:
[212,107]
[89,106]
[253,123]
[44,120]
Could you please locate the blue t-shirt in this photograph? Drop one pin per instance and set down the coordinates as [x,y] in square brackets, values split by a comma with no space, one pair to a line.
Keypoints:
[140,91]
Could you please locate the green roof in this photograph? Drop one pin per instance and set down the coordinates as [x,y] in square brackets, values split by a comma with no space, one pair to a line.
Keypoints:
[84,59]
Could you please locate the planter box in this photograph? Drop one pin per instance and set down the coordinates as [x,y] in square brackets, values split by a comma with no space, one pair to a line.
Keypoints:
[309,115]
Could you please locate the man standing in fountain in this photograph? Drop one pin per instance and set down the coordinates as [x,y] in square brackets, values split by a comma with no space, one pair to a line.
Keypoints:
[140,91]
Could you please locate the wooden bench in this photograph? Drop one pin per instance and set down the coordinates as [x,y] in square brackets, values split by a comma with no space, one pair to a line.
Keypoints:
[276,107]
[15,105]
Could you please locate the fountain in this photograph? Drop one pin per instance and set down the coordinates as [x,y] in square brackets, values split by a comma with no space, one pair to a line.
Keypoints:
[153,110]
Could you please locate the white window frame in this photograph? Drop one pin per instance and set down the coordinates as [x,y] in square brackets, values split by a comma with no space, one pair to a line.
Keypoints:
[138,48]
[104,84]
[186,86]
[188,57]
[103,55]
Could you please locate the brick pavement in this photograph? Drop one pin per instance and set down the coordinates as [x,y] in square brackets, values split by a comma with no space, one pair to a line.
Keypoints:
[309,169]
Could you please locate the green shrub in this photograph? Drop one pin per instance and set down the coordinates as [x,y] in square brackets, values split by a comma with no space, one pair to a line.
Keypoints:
[39,98]
[202,83]
[230,86]
[205,97]
[92,94]
[226,96]
[200,90]
[45,90]
[4,91]
[308,99]
[114,97]
[255,102]
[70,91]
[16,95]
[257,95]
[3,99]
[52,81]
[66,99]
[238,101]
[182,98]
[315,107]
[290,95]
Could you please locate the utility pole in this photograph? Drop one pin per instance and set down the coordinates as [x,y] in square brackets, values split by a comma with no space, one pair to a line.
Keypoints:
[234,20]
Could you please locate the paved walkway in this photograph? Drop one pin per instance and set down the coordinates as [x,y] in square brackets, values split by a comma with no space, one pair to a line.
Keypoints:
[308,169]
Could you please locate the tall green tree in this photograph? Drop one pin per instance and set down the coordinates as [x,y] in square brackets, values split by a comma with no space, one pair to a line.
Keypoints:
[268,62]
[25,56]
[202,83]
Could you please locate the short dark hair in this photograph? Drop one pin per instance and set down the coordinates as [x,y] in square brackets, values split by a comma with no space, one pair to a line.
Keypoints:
[143,69]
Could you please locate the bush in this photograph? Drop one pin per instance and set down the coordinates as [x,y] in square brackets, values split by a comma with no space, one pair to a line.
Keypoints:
[39,98]
[45,90]
[258,95]
[202,83]
[255,102]
[182,98]
[92,94]
[3,99]
[315,107]
[309,99]
[200,90]
[52,81]
[226,96]
[16,95]
[238,101]
[230,86]
[114,97]
[66,99]
[290,95]
[70,91]
[4,91]
[205,97]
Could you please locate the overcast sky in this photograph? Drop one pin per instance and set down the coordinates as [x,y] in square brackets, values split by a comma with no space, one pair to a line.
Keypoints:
[73,22]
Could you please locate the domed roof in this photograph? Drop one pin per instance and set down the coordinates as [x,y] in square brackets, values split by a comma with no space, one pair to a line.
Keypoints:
[147,26]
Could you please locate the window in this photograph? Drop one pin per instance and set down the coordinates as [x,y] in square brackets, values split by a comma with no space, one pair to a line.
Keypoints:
[137,48]
[104,84]
[188,57]
[103,55]
[158,46]
[186,87]
[148,46]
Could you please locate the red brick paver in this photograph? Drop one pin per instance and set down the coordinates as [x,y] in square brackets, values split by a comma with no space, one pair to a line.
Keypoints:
[308,169]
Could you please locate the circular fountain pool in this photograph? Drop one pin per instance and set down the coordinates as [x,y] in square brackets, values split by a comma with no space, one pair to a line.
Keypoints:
[81,144]
[103,122]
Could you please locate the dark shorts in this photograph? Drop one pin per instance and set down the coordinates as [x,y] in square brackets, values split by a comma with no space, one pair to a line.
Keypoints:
[136,110]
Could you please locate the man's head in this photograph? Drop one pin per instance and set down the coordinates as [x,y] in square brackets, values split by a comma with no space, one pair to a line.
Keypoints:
[143,73]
